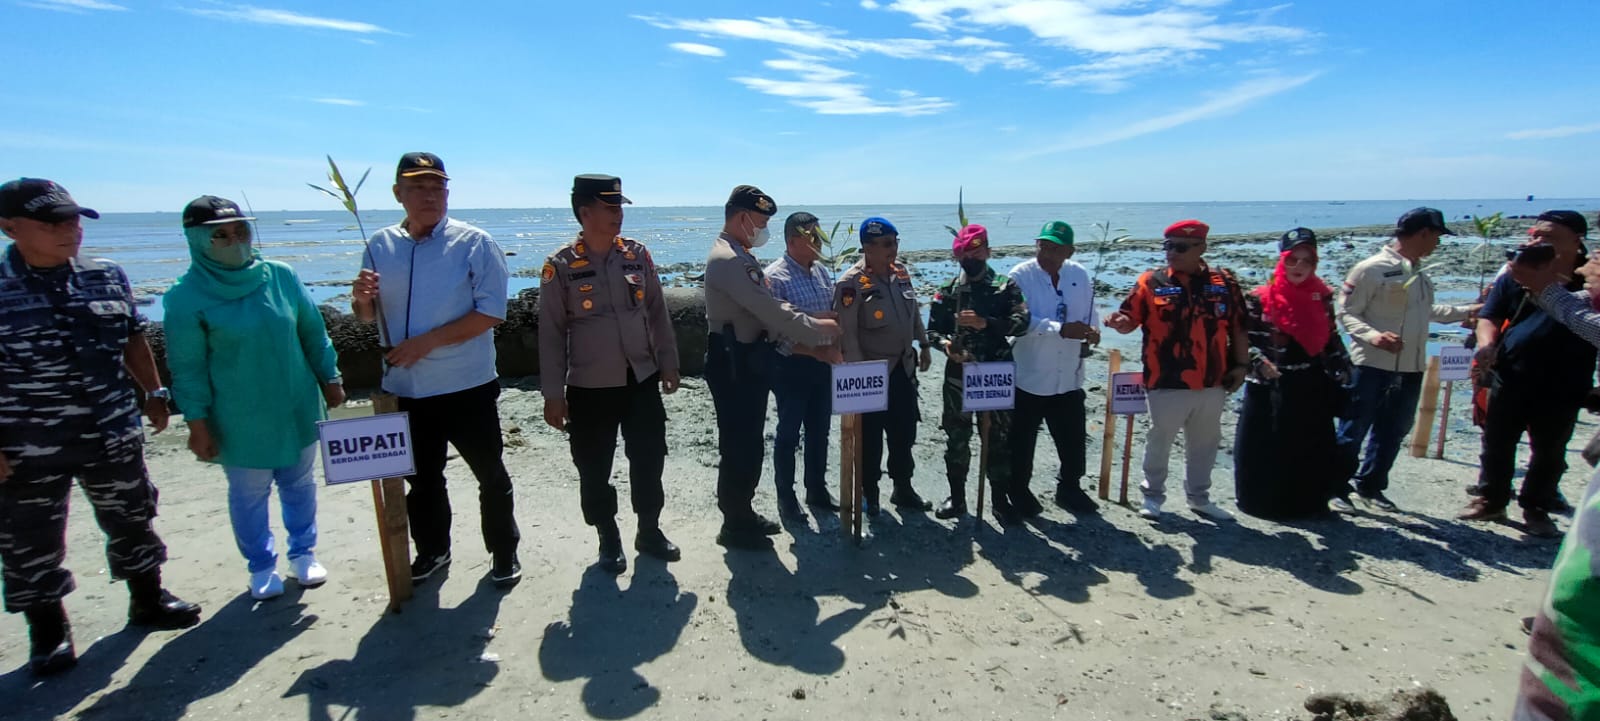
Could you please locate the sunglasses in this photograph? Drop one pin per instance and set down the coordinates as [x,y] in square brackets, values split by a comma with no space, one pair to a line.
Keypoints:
[1172,246]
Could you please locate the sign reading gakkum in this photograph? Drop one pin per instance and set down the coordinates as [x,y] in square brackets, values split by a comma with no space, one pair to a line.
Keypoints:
[363,449]
[988,386]
[861,387]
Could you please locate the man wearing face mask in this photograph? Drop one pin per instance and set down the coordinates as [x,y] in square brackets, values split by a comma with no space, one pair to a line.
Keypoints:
[72,349]
[881,318]
[973,318]
[443,292]
[744,322]
[1050,370]
[1195,353]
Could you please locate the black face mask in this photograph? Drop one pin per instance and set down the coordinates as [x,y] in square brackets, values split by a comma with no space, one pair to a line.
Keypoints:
[973,266]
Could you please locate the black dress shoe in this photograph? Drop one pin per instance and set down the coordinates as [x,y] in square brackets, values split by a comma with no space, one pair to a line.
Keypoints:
[821,499]
[743,538]
[612,559]
[951,508]
[652,542]
[789,507]
[905,497]
[763,525]
[1006,515]
[1074,499]
[50,638]
[1026,504]
[507,570]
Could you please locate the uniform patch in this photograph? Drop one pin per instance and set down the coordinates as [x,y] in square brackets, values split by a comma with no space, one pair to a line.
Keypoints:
[579,263]
[901,273]
[638,294]
[847,296]
[549,272]
[864,280]
[634,279]
[588,304]
[629,256]
[877,315]
[586,288]
[108,307]
[909,294]
[755,275]
[1167,290]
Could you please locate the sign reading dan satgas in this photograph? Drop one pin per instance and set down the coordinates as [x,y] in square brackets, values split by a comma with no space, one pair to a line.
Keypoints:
[988,386]
[362,449]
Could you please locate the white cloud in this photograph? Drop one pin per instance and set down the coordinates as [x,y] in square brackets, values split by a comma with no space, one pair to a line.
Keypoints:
[870,4]
[710,51]
[1565,131]
[346,102]
[971,53]
[268,16]
[823,88]
[1227,102]
[71,6]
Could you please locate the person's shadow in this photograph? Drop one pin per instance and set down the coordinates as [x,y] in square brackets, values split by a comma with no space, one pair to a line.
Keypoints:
[209,658]
[610,632]
[30,697]
[426,656]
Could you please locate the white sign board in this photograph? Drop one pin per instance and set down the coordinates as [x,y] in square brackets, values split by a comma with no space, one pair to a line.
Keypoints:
[1127,394]
[367,448]
[1455,363]
[988,386]
[861,387]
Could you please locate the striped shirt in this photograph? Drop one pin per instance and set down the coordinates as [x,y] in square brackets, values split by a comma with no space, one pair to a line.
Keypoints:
[809,290]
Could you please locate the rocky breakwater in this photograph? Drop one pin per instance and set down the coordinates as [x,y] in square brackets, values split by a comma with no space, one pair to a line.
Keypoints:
[516,340]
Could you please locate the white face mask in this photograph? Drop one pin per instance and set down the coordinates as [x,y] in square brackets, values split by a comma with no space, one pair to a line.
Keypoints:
[759,236]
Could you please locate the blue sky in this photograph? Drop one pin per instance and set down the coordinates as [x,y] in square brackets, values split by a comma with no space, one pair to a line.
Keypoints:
[141,106]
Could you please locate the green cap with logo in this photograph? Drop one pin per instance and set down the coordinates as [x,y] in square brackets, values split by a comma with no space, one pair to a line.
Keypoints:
[1056,231]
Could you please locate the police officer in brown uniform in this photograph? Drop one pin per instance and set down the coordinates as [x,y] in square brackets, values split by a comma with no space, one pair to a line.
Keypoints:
[744,320]
[605,343]
[880,318]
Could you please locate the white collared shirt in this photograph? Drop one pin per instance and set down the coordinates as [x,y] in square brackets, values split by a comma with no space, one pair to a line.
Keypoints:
[1048,364]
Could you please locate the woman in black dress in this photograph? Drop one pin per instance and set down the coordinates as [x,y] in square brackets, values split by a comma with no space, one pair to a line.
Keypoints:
[1285,463]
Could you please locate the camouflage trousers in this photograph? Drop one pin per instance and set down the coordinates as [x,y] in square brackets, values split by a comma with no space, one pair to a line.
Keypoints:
[33,520]
[959,430]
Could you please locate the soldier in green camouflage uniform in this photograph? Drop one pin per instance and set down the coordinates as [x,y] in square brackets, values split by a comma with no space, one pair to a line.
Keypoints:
[973,318]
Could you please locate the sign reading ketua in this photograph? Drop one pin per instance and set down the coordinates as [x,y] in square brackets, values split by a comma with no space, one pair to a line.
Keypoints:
[1127,393]
[988,386]
[363,449]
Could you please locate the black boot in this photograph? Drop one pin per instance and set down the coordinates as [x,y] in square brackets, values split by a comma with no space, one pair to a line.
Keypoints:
[904,496]
[789,506]
[612,559]
[151,605]
[953,507]
[652,542]
[50,637]
[1004,513]
[821,499]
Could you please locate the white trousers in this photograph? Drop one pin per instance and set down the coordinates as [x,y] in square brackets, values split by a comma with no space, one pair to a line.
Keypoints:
[1199,415]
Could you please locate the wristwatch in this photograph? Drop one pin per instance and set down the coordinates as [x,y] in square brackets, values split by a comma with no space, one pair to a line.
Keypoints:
[161,393]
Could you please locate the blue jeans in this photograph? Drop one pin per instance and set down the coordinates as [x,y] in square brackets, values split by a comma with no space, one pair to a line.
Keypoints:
[248,490]
[803,391]
[1383,410]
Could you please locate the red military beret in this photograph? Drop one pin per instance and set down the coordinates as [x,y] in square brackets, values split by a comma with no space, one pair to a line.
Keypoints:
[1187,229]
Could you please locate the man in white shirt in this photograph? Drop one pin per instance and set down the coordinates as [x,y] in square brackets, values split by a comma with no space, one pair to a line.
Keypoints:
[1062,324]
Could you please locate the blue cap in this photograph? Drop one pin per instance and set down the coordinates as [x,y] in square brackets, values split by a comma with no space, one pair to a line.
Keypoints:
[874,228]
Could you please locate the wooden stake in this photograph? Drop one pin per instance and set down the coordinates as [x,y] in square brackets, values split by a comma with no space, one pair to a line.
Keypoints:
[1425,413]
[847,472]
[394,538]
[1444,420]
[855,460]
[1109,438]
[983,458]
[1127,461]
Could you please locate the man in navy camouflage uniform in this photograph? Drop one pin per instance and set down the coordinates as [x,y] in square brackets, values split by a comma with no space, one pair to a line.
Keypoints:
[70,338]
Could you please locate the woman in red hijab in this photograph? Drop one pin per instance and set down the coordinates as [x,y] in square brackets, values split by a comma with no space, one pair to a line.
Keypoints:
[1284,451]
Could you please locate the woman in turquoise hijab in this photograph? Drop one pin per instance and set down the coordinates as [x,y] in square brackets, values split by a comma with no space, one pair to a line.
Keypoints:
[253,371]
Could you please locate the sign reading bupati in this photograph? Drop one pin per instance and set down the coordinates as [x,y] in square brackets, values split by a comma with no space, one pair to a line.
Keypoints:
[861,387]
[367,448]
[1127,394]
[1455,363]
[988,386]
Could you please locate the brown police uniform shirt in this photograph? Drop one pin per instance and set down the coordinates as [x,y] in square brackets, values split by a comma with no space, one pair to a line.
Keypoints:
[737,295]
[879,315]
[601,317]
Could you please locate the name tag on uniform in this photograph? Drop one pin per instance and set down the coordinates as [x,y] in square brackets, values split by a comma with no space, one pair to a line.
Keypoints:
[580,275]
[1168,290]
[1394,274]
[108,307]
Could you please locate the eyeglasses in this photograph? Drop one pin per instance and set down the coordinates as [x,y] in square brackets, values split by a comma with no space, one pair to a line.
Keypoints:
[1173,246]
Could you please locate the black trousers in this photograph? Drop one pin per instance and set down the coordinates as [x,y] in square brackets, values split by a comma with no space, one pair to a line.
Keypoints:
[594,417]
[469,420]
[1065,416]
[739,376]
[1548,419]
[898,425]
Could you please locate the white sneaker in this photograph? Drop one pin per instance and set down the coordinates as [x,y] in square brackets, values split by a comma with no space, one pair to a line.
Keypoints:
[307,571]
[1150,510]
[1212,511]
[266,584]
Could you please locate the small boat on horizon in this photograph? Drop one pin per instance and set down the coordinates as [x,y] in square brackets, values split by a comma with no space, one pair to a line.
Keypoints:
[301,221]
